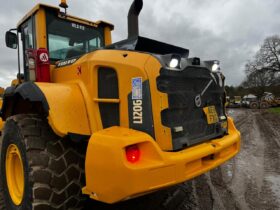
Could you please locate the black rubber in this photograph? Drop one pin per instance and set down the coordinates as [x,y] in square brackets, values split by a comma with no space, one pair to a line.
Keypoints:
[174,198]
[264,105]
[2,202]
[53,167]
[254,105]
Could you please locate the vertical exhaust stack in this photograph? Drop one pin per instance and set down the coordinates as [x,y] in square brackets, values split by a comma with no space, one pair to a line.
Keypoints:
[134,11]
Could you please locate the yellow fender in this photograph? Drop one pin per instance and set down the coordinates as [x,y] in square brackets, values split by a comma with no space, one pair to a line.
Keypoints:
[62,103]
[1,125]
[67,109]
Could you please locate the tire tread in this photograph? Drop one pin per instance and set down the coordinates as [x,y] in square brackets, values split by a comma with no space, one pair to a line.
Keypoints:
[48,158]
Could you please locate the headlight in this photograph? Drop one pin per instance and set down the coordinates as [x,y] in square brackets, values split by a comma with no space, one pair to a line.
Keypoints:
[213,65]
[175,62]
[216,67]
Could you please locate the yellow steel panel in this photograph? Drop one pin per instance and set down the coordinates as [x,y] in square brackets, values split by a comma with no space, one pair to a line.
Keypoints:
[70,17]
[107,100]
[108,36]
[67,112]
[127,65]
[159,103]
[155,169]
[40,25]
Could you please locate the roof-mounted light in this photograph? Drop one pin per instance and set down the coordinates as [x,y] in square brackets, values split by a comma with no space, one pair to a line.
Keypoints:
[175,62]
[213,65]
[63,4]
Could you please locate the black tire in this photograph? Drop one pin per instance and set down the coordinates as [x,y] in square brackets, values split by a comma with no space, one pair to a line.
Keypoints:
[263,105]
[2,202]
[254,105]
[53,167]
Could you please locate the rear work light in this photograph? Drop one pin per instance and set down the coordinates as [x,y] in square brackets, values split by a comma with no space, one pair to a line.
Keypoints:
[133,153]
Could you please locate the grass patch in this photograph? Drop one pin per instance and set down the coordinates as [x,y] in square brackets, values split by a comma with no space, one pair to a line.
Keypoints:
[275,110]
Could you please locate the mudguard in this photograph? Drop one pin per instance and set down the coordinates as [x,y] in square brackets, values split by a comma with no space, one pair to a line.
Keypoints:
[62,104]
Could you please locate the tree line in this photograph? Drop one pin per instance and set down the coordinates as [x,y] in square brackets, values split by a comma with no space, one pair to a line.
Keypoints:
[262,71]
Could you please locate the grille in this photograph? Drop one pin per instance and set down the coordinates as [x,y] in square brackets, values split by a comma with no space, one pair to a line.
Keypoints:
[187,120]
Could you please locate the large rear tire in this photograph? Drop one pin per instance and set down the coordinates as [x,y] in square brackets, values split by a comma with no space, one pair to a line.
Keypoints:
[2,202]
[53,168]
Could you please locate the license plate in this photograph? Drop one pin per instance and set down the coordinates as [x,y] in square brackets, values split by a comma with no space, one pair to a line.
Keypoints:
[211,114]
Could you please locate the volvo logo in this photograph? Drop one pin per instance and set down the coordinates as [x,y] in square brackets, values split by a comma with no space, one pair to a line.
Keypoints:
[197,101]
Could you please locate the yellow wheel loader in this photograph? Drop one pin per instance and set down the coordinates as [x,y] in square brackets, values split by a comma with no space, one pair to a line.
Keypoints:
[106,121]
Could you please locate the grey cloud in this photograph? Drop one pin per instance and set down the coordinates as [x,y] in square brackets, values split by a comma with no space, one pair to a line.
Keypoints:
[227,30]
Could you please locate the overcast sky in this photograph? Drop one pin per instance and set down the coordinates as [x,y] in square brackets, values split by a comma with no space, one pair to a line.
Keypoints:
[227,30]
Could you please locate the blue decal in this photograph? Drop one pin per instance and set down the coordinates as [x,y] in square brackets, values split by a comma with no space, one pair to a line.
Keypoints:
[137,88]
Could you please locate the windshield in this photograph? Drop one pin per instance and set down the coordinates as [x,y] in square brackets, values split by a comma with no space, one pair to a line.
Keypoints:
[69,39]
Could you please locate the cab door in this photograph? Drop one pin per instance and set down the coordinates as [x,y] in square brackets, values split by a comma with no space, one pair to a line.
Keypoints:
[28,42]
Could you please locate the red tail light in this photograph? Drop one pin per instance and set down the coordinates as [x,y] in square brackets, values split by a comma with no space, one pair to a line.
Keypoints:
[133,154]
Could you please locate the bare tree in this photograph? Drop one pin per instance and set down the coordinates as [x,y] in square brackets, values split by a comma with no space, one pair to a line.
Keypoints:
[264,69]
[268,57]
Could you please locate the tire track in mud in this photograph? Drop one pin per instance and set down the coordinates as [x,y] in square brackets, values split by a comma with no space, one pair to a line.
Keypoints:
[230,179]
[272,159]
[252,179]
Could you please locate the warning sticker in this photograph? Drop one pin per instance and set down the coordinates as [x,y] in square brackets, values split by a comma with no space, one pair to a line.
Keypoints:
[137,88]
[44,57]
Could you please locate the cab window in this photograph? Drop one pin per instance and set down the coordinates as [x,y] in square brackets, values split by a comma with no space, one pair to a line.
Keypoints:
[27,29]
[68,39]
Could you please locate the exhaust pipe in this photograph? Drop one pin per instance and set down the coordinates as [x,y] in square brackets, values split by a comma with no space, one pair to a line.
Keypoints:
[132,18]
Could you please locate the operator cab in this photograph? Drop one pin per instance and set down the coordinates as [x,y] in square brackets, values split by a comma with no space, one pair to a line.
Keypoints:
[67,39]
[49,35]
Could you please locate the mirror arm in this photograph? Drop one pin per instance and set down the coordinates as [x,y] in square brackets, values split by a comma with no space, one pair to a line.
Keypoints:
[13,29]
[19,79]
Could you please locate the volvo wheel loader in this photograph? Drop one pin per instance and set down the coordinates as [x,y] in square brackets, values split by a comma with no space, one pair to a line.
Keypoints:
[106,121]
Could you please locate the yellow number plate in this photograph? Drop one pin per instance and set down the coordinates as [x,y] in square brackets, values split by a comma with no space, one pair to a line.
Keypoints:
[211,114]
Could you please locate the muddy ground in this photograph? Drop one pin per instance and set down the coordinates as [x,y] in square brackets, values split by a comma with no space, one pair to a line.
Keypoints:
[249,181]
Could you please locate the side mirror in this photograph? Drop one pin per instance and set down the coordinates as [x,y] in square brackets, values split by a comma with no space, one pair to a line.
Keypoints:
[11,40]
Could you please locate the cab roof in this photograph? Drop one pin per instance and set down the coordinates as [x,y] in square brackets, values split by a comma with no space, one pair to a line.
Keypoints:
[69,17]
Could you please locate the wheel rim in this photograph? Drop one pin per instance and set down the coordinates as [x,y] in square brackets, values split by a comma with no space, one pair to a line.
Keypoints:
[15,174]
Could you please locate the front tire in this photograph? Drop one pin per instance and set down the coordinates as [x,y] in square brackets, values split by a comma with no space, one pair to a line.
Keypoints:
[53,167]
[2,201]
[254,105]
